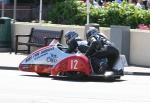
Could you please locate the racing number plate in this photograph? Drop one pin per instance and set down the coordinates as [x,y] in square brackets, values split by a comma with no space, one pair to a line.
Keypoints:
[73,64]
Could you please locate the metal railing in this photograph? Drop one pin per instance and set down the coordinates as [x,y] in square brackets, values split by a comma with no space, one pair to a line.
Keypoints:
[13,11]
[23,12]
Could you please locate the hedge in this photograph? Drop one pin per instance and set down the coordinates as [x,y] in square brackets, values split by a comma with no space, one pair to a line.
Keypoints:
[74,12]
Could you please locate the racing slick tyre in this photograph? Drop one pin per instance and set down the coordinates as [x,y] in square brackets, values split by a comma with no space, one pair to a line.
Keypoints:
[76,75]
[44,74]
[117,77]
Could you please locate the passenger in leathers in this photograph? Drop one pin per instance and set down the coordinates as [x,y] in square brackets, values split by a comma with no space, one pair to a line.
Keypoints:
[75,44]
[100,49]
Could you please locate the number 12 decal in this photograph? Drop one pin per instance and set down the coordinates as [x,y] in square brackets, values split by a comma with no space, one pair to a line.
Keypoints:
[74,64]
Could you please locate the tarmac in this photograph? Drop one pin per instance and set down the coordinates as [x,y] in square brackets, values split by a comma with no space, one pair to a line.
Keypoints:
[11,61]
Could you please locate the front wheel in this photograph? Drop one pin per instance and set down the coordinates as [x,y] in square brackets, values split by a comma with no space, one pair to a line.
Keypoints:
[76,75]
[117,77]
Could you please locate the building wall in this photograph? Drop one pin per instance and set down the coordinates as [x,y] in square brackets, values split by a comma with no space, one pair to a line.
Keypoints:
[5,1]
[140,47]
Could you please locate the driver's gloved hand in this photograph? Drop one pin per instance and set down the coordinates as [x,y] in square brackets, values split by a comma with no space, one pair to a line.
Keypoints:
[60,45]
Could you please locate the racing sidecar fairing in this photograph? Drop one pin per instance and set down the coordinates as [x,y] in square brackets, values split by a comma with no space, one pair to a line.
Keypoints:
[50,60]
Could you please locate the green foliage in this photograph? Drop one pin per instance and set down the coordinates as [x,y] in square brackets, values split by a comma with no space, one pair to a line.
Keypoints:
[68,12]
[74,12]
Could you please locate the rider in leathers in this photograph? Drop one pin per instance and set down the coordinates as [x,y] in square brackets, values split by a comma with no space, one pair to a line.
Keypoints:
[75,44]
[100,48]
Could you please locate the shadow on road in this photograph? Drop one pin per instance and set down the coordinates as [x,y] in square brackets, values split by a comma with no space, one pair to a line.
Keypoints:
[86,79]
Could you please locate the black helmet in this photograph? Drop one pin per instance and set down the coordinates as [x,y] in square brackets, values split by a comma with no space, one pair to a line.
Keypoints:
[91,32]
[70,35]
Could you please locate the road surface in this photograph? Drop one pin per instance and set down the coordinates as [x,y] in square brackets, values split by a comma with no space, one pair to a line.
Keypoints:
[24,87]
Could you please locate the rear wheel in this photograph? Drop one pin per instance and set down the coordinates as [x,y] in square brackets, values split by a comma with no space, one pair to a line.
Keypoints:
[43,74]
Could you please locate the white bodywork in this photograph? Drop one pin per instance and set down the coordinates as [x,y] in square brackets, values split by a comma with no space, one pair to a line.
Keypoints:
[49,55]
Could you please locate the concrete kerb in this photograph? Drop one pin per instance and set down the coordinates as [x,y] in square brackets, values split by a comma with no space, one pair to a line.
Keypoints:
[137,70]
[8,68]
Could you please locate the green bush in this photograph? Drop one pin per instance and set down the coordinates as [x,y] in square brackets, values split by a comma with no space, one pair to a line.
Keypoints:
[74,12]
[68,12]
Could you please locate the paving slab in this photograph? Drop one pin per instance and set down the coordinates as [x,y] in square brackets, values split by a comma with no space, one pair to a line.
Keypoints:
[11,60]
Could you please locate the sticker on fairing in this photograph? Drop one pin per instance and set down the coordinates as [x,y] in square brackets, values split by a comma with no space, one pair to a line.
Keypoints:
[49,55]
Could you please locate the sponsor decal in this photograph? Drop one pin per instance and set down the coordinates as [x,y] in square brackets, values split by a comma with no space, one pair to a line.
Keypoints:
[52,58]
[39,54]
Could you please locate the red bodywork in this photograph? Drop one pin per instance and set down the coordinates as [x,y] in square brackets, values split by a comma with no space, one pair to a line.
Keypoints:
[37,68]
[77,62]
[74,62]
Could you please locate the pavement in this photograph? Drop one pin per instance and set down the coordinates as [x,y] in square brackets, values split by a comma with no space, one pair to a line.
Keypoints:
[11,61]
